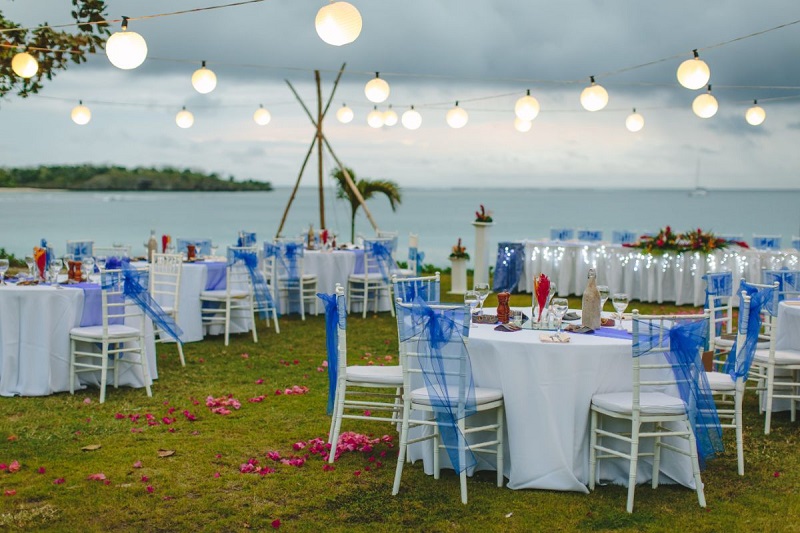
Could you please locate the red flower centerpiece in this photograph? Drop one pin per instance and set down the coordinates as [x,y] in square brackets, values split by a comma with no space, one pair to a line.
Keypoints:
[541,291]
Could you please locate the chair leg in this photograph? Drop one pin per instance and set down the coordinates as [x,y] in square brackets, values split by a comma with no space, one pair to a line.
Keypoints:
[401,451]
[254,322]
[592,450]
[656,462]
[500,445]
[770,387]
[634,464]
[336,423]
[145,366]
[227,321]
[698,483]
[104,371]
[737,402]
[365,300]
[72,374]
[301,290]
[462,458]
[275,319]
[180,353]
[437,449]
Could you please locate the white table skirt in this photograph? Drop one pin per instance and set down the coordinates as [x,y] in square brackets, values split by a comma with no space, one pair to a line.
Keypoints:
[788,336]
[547,390]
[645,277]
[34,342]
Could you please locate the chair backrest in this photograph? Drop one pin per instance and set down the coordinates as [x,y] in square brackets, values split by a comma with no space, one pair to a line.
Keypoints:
[590,235]
[394,236]
[115,305]
[796,243]
[767,242]
[428,288]
[237,273]
[719,301]
[246,238]
[341,346]
[623,237]
[80,249]
[203,246]
[741,356]
[378,258]
[788,282]
[285,257]
[115,250]
[562,234]
[165,279]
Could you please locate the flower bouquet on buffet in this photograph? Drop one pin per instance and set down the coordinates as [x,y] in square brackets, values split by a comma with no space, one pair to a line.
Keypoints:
[697,240]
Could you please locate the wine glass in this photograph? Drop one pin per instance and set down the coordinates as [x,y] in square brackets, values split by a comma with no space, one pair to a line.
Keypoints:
[31,262]
[100,261]
[55,267]
[482,290]
[603,290]
[620,303]
[560,308]
[3,267]
[88,267]
[471,298]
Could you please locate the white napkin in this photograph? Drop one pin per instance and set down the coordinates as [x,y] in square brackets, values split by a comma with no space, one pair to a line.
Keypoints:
[554,337]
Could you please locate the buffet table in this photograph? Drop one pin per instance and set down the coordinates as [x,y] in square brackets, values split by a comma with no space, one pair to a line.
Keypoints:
[35,345]
[547,389]
[651,278]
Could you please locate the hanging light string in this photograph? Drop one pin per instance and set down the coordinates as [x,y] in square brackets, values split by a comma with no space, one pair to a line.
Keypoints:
[143,17]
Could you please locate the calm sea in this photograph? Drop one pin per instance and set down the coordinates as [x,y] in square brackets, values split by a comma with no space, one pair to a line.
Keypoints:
[439,216]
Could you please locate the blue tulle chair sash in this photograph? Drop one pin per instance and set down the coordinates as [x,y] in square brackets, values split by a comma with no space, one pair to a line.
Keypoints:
[249,258]
[788,281]
[335,320]
[509,266]
[80,249]
[590,235]
[382,252]
[437,337]
[739,361]
[410,289]
[246,238]
[562,234]
[681,343]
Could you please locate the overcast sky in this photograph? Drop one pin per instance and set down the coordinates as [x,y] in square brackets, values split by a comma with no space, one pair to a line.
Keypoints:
[433,52]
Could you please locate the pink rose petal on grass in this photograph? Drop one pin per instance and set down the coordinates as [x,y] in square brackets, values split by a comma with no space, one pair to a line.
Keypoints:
[137,464]
[368,413]
[87,401]
[41,470]
[145,479]
[150,489]
[14,466]
[245,356]
[276,523]
[10,492]
[58,481]
[97,477]
[216,474]
[259,381]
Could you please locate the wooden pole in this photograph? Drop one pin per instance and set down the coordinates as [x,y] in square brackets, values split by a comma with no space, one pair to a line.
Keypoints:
[352,185]
[296,185]
[319,153]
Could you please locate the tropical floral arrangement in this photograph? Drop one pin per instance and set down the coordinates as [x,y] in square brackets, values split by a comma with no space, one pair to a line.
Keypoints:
[483,215]
[692,241]
[459,251]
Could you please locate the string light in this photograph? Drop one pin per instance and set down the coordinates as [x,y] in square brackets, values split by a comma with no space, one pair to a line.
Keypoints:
[375,118]
[345,114]
[594,97]
[457,117]
[411,119]
[693,73]
[204,80]
[527,107]
[338,23]
[390,116]
[376,89]
[522,125]
[81,115]
[184,119]
[126,49]
[634,122]
[24,65]
[705,105]
[755,115]
[262,116]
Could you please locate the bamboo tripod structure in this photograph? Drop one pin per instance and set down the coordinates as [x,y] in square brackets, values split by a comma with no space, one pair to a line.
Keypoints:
[319,140]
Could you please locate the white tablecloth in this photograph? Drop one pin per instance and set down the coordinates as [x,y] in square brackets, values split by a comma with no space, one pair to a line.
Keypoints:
[34,341]
[788,336]
[334,267]
[645,277]
[547,389]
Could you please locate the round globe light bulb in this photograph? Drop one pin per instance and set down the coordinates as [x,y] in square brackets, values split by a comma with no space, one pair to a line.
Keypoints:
[262,116]
[457,117]
[594,97]
[24,65]
[376,90]
[345,114]
[411,119]
[522,125]
[184,119]
[126,49]
[81,115]
[693,73]
[375,119]
[338,23]
[390,117]
[755,115]
[204,80]
[705,105]
[527,108]
[634,122]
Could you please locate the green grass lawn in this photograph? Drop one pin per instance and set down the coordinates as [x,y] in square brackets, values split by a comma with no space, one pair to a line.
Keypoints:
[200,486]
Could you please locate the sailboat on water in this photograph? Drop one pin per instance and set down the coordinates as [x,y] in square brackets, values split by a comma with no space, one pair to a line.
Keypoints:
[698,190]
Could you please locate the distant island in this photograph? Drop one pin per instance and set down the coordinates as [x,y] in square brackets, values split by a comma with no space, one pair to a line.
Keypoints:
[115,178]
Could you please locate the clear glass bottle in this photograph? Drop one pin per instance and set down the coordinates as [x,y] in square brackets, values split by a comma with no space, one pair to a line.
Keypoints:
[152,245]
[590,308]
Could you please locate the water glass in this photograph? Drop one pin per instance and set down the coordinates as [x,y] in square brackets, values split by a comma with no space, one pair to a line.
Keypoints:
[3,268]
[620,303]
[560,307]
[55,268]
[88,267]
[482,290]
[31,265]
[471,299]
[100,260]
[516,317]
[603,290]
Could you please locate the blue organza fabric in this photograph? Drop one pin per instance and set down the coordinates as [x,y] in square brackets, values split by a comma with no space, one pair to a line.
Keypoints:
[718,284]
[80,249]
[562,234]
[739,361]
[418,257]
[383,257]
[134,286]
[249,258]
[623,237]
[509,266]
[770,304]
[246,238]
[766,242]
[335,319]
[590,235]
[409,290]
[438,337]
[788,280]
[683,340]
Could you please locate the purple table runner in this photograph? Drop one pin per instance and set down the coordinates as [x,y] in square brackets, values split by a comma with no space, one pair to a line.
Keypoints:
[215,275]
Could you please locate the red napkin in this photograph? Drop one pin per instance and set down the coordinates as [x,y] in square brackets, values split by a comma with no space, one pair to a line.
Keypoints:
[164,243]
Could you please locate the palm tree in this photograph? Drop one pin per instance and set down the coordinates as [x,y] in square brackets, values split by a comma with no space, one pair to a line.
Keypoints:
[368,188]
